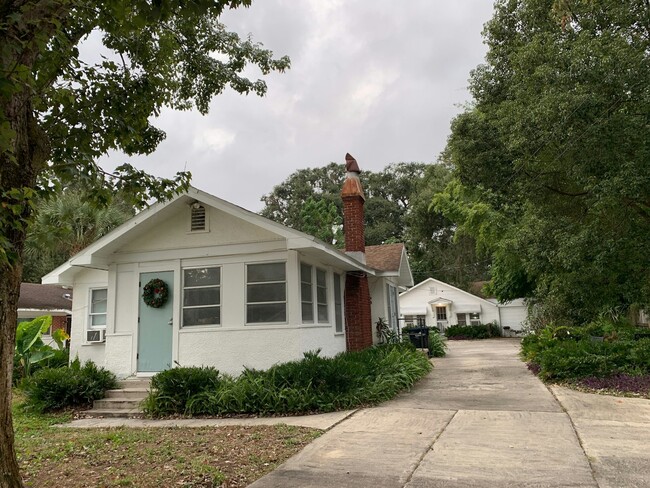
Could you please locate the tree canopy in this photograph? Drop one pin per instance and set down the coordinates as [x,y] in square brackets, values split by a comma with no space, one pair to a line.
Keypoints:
[552,159]
[59,112]
[397,209]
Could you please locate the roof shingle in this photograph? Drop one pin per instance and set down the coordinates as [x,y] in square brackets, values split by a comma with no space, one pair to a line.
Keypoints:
[386,257]
[45,297]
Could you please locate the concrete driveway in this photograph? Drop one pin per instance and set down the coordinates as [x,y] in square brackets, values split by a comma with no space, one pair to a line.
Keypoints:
[480,419]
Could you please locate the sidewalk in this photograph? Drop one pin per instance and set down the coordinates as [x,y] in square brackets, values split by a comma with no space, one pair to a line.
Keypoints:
[480,419]
[322,421]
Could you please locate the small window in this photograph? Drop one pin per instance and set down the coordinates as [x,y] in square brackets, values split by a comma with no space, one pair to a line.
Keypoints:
[201,296]
[338,303]
[98,300]
[198,220]
[321,295]
[462,318]
[475,318]
[441,313]
[306,293]
[266,293]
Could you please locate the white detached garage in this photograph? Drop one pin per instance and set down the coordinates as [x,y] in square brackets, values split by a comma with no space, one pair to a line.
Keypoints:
[438,304]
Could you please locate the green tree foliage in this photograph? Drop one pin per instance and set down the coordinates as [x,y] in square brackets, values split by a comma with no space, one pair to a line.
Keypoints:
[552,160]
[64,224]
[397,209]
[322,219]
[60,112]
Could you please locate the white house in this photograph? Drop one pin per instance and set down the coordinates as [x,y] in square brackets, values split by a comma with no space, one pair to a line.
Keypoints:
[240,289]
[438,304]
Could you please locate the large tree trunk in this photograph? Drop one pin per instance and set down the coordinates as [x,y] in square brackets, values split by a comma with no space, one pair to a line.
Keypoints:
[18,170]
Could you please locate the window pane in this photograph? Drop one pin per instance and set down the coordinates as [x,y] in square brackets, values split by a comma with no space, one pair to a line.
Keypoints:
[272,292]
[202,277]
[305,292]
[473,316]
[98,320]
[267,312]
[201,296]
[266,272]
[305,273]
[307,312]
[339,317]
[98,301]
[320,277]
[321,294]
[322,313]
[462,319]
[202,316]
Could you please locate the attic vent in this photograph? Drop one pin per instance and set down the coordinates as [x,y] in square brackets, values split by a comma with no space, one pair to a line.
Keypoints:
[198,218]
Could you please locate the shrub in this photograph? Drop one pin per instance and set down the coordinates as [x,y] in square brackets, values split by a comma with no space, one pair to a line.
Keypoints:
[568,353]
[437,347]
[174,387]
[312,384]
[484,331]
[56,388]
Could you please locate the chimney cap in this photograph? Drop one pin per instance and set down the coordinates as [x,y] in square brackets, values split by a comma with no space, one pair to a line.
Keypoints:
[351,164]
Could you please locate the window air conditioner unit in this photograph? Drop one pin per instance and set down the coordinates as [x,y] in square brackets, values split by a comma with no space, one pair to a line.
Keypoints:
[96,335]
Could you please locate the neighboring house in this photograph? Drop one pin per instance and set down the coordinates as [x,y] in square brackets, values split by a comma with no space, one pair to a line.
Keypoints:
[37,300]
[243,291]
[437,304]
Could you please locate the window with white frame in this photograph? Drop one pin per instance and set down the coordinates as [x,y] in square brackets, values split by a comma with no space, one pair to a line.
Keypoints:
[441,313]
[321,296]
[469,318]
[313,306]
[98,300]
[338,303]
[306,293]
[201,296]
[266,293]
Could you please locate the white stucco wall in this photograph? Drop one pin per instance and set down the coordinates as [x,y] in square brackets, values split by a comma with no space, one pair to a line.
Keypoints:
[229,346]
[420,297]
[85,280]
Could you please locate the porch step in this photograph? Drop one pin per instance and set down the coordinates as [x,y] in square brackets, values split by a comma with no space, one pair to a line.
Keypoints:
[108,413]
[117,403]
[123,402]
[135,383]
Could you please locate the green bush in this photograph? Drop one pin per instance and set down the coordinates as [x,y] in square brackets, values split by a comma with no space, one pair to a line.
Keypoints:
[437,347]
[484,331]
[597,350]
[58,359]
[313,384]
[176,386]
[56,388]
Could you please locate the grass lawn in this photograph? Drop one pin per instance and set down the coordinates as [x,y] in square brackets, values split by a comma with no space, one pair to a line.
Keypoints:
[182,457]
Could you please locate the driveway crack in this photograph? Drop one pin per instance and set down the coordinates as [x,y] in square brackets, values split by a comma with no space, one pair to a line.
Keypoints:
[429,447]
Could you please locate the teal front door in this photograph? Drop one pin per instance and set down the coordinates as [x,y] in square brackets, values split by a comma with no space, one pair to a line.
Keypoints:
[155,327]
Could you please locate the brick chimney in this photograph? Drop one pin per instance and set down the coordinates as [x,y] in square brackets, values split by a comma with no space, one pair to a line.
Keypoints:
[358,318]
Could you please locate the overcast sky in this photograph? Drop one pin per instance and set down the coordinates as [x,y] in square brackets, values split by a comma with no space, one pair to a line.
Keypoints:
[379,79]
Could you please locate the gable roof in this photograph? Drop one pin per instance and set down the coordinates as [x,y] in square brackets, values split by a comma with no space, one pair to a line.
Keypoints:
[34,296]
[98,254]
[433,280]
[390,260]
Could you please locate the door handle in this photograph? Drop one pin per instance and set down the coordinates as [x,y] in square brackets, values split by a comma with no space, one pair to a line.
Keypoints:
[171,321]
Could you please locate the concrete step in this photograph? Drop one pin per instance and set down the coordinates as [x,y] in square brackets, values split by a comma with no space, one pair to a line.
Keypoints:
[113,413]
[117,403]
[135,383]
[134,393]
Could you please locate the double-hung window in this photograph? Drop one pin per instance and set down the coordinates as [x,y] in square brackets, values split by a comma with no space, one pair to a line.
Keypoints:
[201,296]
[313,299]
[306,293]
[338,303]
[266,293]
[441,313]
[321,295]
[98,300]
